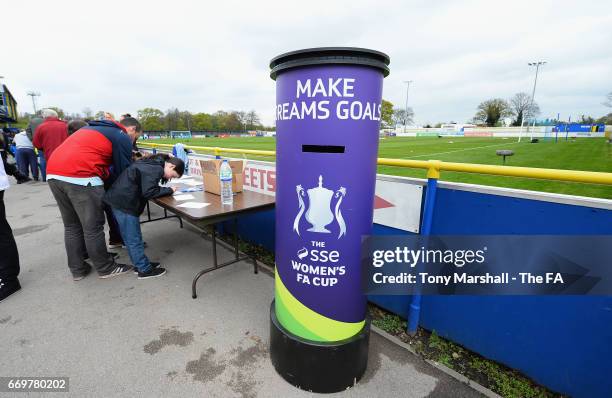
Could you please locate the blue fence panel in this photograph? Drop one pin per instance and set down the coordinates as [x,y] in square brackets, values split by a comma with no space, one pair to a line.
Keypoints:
[564,342]
[257,228]
[463,212]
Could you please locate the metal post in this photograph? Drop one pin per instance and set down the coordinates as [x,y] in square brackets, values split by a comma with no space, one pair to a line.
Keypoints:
[521,131]
[214,244]
[406,109]
[433,174]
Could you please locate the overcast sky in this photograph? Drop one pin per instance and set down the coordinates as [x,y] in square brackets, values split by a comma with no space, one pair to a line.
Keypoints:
[122,56]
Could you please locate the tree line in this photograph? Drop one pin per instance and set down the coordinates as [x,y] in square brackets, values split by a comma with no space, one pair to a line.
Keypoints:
[519,107]
[153,119]
[173,119]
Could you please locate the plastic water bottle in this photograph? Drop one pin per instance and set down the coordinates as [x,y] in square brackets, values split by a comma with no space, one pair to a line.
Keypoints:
[225,174]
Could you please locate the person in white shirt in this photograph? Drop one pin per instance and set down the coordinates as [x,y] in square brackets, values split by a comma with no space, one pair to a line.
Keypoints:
[26,157]
[9,256]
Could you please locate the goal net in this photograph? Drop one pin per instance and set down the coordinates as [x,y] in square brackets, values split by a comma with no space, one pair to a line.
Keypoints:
[180,134]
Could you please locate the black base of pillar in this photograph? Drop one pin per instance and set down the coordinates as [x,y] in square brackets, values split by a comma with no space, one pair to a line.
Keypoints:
[316,366]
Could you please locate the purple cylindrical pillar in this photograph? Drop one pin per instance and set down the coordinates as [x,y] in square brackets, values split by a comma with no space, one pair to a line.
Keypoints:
[328,115]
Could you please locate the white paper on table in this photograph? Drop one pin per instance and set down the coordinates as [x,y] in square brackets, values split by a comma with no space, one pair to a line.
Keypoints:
[193,205]
[183,196]
[192,183]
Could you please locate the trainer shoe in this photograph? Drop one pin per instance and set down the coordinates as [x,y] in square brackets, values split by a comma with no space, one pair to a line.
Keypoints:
[119,270]
[115,245]
[154,273]
[7,288]
[153,266]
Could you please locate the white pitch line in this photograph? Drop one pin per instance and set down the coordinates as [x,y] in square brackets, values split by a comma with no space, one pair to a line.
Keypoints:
[459,150]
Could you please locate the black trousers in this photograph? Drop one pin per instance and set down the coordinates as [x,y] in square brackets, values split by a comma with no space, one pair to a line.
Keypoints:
[9,257]
[81,209]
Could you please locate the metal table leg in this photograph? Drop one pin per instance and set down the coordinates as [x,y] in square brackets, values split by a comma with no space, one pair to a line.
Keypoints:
[255,267]
[216,264]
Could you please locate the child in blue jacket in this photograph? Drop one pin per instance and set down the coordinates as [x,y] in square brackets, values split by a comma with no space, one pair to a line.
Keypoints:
[128,197]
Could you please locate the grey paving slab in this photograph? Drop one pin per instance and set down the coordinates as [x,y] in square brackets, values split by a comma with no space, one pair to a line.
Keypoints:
[124,338]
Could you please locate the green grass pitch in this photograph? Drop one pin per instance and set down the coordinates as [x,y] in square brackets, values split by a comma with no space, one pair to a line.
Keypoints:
[591,154]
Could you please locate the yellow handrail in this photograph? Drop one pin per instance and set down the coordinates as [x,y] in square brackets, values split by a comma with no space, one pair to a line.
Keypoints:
[434,167]
[215,150]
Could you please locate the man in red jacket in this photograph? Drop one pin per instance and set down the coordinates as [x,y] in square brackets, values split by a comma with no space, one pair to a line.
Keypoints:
[76,173]
[50,133]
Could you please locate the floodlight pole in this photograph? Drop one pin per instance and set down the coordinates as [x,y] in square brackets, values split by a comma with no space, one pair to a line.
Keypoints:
[406,109]
[535,82]
[537,65]
[33,94]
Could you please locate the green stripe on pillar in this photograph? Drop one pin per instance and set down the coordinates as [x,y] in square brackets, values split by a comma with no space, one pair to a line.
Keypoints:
[304,322]
[290,323]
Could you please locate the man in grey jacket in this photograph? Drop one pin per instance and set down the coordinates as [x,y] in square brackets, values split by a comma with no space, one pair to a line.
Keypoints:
[30,130]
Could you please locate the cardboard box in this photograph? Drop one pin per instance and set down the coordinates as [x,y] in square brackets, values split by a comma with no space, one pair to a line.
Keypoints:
[210,174]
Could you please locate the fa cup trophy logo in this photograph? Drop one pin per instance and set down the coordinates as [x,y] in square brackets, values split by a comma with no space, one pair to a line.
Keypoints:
[319,213]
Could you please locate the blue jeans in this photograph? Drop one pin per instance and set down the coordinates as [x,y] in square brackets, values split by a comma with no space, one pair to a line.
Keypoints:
[43,165]
[26,157]
[129,226]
